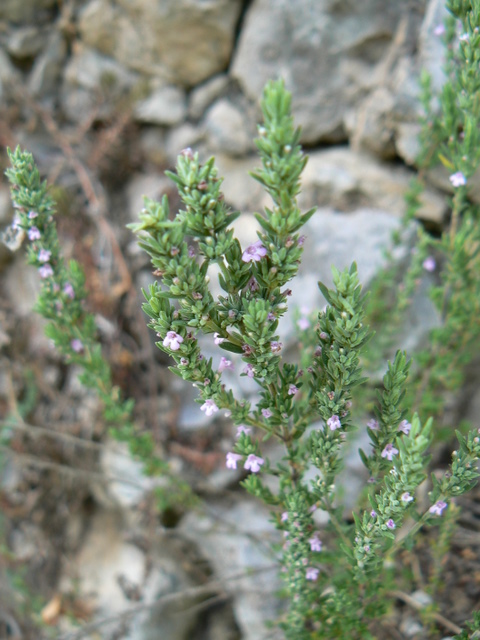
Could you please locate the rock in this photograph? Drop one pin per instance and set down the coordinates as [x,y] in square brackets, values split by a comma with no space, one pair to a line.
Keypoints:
[165,106]
[371,124]
[152,185]
[89,75]
[181,41]
[46,72]
[26,42]
[226,129]
[22,11]
[202,96]
[346,180]
[407,143]
[235,539]
[152,146]
[326,51]
[8,73]
[241,191]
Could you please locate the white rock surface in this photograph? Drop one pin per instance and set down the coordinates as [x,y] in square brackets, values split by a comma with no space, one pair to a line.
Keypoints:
[165,106]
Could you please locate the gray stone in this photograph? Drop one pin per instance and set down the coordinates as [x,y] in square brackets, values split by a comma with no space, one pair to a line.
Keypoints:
[241,191]
[8,73]
[22,11]
[202,96]
[325,50]
[152,146]
[152,185]
[181,41]
[226,129]
[165,106]
[26,42]
[46,72]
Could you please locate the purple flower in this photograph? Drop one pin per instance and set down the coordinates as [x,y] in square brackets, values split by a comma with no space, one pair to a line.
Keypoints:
[389,452]
[34,234]
[172,341]
[312,574]
[209,407]
[303,324]
[77,345]
[225,364]
[292,390]
[391,524]
[45,270]
[217,339]
[315,543]
[242,429]
[284,517]
[334,423]
[301,241]
[373,424]
[439,30]
[68,291]
[232,459]
[266,413]
[405,427]
[253,463]
[429,264]
[44,255]
[406,497]
[254,252]
[276,346]
[249,371]
[32,215]
[187,153]
[438,507]
[373,513]
[458,179]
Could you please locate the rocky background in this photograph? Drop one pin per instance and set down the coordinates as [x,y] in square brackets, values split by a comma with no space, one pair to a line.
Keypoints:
[106,93]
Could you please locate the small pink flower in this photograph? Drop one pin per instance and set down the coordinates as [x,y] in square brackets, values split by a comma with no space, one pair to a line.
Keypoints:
[334,423]
[429,264]
[232,459]
[249,371]
[312,574]
[34,234]
[391,524]
[77,345]
[458,179]
[209,407]
[270,316]
[284,517]
[389,452]
[276,346]
[242,429]
[405,427]
[439,30]
[32,215]
[465,37]
[187,153]
[315,543]
[68,291]
[225,364]
[217,339]
[45,270]
[373,424]
[44,255]
[438,507]
[253,463]
[406,497]
[373,513]
[266,413]
[254,252]
[172,341]
[292,390]
[303,324]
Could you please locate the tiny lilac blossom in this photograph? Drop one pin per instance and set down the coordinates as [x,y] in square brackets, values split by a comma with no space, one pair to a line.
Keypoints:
[44,255]
[292,390]
[32,215]
[438,507]
[334,423]
[276,346]
[217,339]
[373,513]
[253,463]
[389,452]
[406,497]
[284,517]
[225,364]
[391,524]
[303,324]
[312,574]
[429,264]
[77,345]
[232,459]
[373,424]
[405,427]
[439,30]
[209,407]
[34,234]
[45,270]
[69,291]
[315,543]
[242,429]
[458,179]
[266,413]
[172,341]
[254,252]
[249,371]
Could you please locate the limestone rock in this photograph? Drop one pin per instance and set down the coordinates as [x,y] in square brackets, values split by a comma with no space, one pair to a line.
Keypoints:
[21,11]
[202,96]
[181,41]
[47,69]
[325,50]
[165,106]
[26,42]
[227,129]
